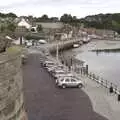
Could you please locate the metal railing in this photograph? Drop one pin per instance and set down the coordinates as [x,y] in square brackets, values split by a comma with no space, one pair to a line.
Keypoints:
[113,88]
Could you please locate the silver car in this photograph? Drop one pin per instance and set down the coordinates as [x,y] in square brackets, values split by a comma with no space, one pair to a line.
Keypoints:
[67,74]
[69,82]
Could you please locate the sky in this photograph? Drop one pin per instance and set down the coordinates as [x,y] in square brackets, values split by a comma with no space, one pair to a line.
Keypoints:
[57,8]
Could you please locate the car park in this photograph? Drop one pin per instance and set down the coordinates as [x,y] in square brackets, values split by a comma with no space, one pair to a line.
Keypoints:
[57,76]
[69,82]
[58,71]
[55,67]
[48,63]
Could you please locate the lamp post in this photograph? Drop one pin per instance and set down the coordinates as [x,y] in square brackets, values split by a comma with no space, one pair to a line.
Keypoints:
[57,52]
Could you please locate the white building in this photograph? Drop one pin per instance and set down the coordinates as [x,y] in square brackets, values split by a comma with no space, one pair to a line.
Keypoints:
[23,23]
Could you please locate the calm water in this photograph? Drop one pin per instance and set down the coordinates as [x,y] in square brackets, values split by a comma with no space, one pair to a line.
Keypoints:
[106,65]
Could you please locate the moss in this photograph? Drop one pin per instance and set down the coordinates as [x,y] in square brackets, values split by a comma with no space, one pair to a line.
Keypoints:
[14,49]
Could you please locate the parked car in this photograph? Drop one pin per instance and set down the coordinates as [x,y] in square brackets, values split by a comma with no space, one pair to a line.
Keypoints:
[42,41]
[55,67]
[48,63]
[69,82]
[57,76]
[58,71]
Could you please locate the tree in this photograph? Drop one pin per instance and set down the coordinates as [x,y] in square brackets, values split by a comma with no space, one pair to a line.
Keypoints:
[11,27]
[66,18]
[7,27]
[44,18]
[11,15]
[54,19]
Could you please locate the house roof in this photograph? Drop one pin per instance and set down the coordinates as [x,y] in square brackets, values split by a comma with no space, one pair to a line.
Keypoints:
[24,23]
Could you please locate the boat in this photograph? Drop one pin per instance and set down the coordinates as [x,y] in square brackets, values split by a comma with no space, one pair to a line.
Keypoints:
[86,40]
[42,41]
[76,45]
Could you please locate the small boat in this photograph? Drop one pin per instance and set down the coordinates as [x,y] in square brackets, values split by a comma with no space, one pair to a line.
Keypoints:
[42,41]
[76,45]
[86,40]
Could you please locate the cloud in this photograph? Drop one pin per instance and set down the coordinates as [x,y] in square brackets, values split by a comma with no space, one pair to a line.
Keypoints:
[79,8]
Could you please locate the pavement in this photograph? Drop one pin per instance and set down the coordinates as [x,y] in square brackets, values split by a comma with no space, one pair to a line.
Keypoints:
[45,101]
[102,101]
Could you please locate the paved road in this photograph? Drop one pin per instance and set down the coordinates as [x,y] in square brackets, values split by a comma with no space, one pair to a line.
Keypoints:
[44,101]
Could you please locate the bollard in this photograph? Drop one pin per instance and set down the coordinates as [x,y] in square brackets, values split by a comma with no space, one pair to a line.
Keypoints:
[106,83]
[118,97]
[102,82]
[111,89]
[90,75]
[87,69]
[93,76]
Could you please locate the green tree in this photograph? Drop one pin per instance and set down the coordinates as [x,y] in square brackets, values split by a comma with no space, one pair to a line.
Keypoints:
[11,27]
[44,18]
[66,18]
[11,15]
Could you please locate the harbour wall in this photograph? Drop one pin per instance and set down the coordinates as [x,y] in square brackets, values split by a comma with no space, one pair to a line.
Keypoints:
[11,87]
[62,45]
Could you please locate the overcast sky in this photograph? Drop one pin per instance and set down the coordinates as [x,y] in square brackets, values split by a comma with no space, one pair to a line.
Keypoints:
[79,8]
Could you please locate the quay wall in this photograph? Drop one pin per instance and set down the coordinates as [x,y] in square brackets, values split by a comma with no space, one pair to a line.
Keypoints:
[11,87]
[62,45]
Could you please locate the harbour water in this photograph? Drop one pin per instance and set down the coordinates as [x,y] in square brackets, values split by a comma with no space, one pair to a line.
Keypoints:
[103,64]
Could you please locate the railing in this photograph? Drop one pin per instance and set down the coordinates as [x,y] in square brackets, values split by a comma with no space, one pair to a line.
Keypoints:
[113,88]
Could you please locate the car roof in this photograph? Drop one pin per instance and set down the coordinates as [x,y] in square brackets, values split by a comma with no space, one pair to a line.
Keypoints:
[59,70]
[66,74]
[69,77]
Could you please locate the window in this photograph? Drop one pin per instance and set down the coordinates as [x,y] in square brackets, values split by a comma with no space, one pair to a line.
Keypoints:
[61,79]
[73,80]
[67,80]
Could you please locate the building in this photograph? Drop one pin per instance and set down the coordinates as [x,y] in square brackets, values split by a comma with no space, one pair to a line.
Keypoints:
[24,23]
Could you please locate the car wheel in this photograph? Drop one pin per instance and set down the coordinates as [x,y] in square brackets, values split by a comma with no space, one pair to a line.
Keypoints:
[80,86]
[63,86]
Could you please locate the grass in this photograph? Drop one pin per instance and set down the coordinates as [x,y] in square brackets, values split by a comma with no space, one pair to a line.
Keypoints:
[14,49]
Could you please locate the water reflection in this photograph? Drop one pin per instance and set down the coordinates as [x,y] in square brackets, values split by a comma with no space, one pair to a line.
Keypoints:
[106,51]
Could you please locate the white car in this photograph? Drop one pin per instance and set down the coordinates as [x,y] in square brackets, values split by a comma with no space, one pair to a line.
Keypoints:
[55,67]
[57,76]
[48,63]
[42,41]
[69,82]
[58,71]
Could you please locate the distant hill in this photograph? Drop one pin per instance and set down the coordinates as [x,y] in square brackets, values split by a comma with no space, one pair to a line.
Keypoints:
[103,21]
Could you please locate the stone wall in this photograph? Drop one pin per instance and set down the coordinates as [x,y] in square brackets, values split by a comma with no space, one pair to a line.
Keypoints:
[4,43]
[11,87]
[62,45]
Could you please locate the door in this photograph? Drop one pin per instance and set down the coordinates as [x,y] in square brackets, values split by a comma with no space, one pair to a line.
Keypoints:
[73,82]
[67,82]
